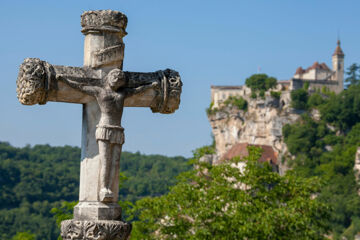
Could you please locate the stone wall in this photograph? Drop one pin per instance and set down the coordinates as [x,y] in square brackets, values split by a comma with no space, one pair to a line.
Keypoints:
[331,85]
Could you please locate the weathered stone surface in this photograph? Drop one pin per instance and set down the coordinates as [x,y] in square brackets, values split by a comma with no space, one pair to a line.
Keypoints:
[104,20]
[97,211]
[95,230]
[38,82]
[104,90]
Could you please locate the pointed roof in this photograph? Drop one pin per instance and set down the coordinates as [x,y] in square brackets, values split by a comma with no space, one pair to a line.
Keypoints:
[299,70]
[316,65]
[338,50]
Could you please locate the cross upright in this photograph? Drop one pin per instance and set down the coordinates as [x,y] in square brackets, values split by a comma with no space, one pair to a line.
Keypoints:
[103,89]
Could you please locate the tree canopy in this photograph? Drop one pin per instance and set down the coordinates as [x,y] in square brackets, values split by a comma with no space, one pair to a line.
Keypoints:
[260,82]
[225,202]
[353,73]
[37,180]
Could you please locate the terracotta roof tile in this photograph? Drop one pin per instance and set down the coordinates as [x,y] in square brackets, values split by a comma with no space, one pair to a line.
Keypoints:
[240,149]
[299,70]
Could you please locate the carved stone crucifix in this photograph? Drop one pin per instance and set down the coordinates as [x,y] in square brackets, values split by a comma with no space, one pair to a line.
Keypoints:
[103,89]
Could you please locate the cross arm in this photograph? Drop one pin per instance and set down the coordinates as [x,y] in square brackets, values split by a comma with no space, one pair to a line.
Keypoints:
[77,83]
[160,90]
[39,82]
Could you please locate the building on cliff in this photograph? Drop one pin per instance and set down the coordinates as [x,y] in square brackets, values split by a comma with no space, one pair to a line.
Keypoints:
[262,122]
[319,75]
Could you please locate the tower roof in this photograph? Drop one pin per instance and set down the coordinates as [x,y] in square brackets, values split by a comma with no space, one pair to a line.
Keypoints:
[338,50]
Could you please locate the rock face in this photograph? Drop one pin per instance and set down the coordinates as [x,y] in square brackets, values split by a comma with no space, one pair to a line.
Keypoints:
[260,124]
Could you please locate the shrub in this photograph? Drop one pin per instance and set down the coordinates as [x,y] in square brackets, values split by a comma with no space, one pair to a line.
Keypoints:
[262,93]
[306,85]
[211,110]
[236,101]
[275,94]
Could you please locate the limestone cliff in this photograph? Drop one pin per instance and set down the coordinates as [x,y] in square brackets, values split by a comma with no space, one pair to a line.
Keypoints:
[261,123]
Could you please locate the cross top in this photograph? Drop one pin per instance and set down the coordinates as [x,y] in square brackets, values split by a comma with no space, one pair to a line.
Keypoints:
[104,90]
[104,20]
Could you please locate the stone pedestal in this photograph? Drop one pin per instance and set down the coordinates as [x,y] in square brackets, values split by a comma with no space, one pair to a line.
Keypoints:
[95,230]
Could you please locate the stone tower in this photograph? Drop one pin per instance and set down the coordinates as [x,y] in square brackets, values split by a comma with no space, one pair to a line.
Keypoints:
[338,66]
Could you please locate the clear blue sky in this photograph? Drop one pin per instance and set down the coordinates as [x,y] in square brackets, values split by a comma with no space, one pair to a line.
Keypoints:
[209,42]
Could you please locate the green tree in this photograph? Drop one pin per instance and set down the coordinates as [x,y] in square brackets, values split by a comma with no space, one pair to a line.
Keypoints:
[353,73]
[224,202]
[258,82]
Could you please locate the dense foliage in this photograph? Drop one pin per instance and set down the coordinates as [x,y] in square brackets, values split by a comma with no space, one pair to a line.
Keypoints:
[224,202]
[32,181]
[35,180]
[326,148]
[299,98]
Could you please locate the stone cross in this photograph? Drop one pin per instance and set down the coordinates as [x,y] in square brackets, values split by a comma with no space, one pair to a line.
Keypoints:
[103,89]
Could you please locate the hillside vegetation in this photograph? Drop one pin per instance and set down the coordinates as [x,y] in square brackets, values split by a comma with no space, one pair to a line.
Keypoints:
[224,202]
[326,148]
[33,180]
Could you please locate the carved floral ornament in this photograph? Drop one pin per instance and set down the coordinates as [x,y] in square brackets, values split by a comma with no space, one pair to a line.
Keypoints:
[33,81]
[95,230]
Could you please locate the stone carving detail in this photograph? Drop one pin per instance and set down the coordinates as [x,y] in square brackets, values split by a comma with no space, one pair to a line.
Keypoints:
[104,20]
[95,230]
[38,80]
[104,90]
[33,81]
[168,99]
[109,56]
[168,91]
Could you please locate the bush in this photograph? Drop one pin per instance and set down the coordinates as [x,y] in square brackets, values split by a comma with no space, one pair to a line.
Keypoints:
[236,101]
[306,85]
[275,94]
[253,95]
[262,94]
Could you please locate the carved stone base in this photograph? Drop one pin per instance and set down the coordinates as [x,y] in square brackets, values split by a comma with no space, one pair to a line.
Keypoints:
[95,230]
